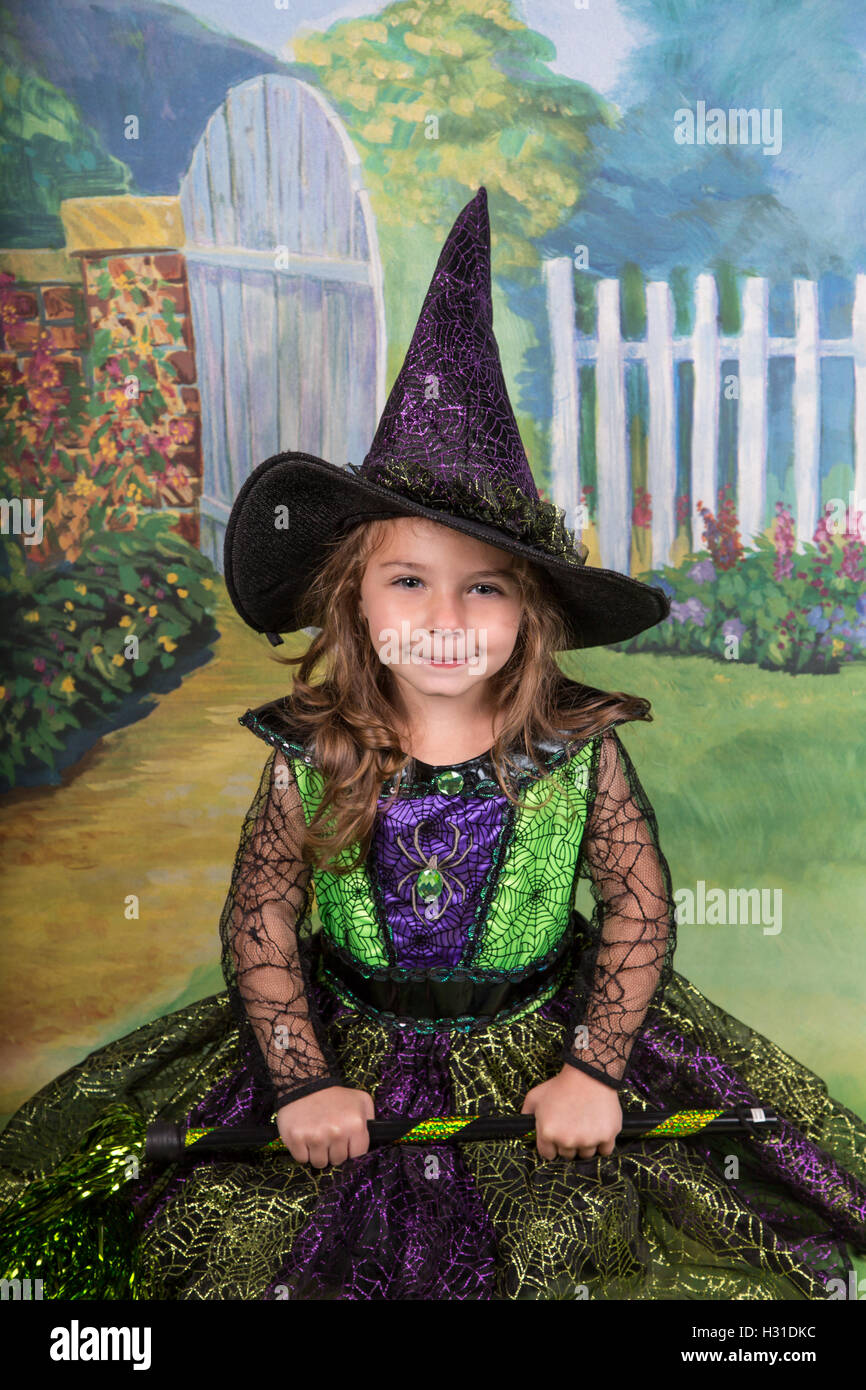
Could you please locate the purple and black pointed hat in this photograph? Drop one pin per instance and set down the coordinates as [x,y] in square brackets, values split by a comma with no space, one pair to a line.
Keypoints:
[447,449]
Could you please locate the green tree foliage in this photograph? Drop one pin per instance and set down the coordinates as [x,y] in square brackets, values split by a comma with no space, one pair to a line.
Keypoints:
[441,98]
[47,153]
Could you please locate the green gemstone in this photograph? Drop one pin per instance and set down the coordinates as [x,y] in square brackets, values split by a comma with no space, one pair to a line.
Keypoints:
[429,883]
[449,783]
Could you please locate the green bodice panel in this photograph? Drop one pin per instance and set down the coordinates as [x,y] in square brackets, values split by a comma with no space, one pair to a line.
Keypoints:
[529,878]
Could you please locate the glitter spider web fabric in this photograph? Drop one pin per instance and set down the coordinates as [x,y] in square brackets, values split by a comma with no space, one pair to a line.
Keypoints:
[730,1216]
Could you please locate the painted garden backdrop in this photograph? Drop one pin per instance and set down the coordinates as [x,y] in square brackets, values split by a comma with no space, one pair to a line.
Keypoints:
[213,249]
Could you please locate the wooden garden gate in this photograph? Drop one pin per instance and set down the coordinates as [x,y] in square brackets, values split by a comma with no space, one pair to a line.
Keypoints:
[285,288]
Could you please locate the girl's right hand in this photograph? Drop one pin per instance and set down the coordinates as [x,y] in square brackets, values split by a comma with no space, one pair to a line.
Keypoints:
[328,1126]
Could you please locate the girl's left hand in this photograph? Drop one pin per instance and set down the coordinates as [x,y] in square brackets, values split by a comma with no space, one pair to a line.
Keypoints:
[574,1115]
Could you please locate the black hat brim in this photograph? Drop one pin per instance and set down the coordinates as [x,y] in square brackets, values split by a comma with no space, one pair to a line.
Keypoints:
[269,567]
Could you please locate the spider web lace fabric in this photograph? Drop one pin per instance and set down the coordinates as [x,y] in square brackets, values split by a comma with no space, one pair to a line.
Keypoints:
[265,932]
[633,923]
[620,969]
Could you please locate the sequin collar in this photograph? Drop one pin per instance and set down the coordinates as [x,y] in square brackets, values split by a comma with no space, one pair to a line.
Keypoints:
[472,777]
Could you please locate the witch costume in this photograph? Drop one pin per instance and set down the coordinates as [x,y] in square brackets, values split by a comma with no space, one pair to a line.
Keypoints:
[447,975]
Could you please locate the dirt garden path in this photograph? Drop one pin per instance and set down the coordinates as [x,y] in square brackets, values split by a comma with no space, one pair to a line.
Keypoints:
[146,803]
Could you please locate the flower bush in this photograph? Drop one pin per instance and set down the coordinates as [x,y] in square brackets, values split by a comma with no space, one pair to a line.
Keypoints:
[77,638]
[93,459]
[105,598]
[785,611]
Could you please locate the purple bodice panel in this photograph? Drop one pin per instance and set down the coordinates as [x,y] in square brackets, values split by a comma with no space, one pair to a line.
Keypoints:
[461,832]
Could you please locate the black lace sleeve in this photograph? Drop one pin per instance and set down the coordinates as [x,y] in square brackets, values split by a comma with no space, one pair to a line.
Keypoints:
[633,923]
[266,934]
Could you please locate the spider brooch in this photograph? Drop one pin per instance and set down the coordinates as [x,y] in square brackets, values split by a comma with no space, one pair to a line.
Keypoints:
[434,876]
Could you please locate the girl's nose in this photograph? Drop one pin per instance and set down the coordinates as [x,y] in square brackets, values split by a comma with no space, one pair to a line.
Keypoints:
[444,612]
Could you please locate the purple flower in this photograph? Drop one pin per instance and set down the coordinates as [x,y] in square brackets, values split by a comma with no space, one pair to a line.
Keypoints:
[703,572]
[815,618]
[690,611]
[665,586]
[733,628]
[861,605]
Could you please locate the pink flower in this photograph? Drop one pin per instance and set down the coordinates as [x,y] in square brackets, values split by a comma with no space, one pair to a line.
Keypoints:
[783,540]
[642,512]
[722,535]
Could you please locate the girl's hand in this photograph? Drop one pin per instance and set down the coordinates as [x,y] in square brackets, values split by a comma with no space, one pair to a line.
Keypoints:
[328,1126]
[574,1114]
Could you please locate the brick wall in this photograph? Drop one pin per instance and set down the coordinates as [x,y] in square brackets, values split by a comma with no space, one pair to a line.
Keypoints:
[121,273]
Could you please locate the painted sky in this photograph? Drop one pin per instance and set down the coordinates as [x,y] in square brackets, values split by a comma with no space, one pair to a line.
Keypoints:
[592,44]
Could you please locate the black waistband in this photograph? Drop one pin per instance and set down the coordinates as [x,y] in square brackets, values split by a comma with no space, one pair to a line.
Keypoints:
[424,993]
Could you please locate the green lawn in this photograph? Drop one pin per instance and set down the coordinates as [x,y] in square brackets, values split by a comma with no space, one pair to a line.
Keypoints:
[755,783]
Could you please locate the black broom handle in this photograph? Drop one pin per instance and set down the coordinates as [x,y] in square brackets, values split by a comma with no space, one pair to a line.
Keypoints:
[167,1141]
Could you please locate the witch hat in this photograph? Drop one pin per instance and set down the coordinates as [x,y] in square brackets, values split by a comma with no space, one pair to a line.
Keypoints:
[447,449]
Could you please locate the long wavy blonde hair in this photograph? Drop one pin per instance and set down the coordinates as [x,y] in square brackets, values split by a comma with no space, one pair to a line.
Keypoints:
[350,710]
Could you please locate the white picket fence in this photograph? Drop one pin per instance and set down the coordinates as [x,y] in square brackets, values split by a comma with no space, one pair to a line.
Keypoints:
[706,347]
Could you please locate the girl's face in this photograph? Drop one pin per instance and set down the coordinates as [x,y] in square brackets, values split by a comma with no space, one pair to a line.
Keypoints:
[443,608]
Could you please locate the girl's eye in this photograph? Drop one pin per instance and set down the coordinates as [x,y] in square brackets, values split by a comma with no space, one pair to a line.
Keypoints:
[413,579]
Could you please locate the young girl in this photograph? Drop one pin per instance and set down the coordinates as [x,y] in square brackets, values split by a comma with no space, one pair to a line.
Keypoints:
[400,937]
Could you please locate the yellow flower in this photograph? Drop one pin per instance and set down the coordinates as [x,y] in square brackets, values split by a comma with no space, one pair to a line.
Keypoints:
[81,588]
[152,610]
[207,583]
[68,685]
[127,598]
[69,606]
[171,578]
[117,660]
[32,616]
[182,593]
[837,646]
[2,692]
[70,627]
[95,650]
[125,621]
[168,644]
